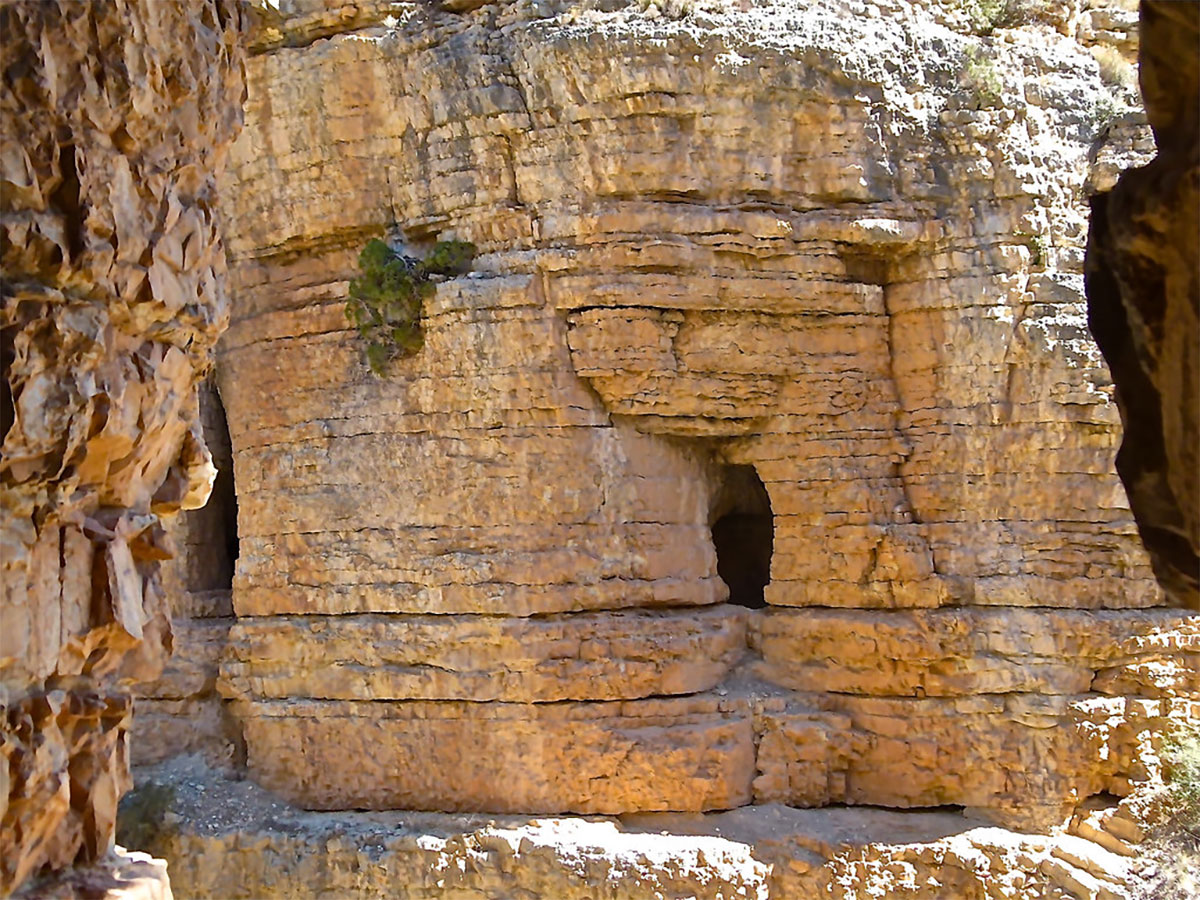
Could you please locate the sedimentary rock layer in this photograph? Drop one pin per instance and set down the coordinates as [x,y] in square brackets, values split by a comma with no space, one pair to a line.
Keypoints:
[965,651]
[985,752]
[790,263]
[689,753]
[587,656]
[115,118]
[250,844]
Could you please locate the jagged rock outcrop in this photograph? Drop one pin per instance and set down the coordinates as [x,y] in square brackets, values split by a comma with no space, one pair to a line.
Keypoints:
[788,298]
[115,118]
[1144,303]
[120,875]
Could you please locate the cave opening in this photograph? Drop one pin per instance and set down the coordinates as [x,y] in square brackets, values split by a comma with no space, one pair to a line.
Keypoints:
[743,533]
[216,522]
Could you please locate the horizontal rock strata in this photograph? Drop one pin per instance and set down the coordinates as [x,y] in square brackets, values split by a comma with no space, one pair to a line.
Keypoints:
[786,265]
[986,752]
[957,652]
[587,656]
[690,753]
[250,844]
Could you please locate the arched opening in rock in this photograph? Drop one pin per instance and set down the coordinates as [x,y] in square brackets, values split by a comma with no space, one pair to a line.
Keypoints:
[743,532]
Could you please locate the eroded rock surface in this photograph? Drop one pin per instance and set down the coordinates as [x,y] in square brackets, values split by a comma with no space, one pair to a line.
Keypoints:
[115,118]
[231,839]
[1144,300]
[810,270]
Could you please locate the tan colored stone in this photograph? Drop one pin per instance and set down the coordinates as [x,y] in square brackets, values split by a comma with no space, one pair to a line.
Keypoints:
[682,753]
[585,656]
[964,651]
[119,875]
[789,238]
[115,118]
[251,843]
[163,729]
[192,669]
[985,752]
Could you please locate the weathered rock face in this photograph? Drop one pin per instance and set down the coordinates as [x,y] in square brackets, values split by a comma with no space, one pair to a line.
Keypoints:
[231,839]
[1144,303]
[180,710]
[788,299]
[115,118]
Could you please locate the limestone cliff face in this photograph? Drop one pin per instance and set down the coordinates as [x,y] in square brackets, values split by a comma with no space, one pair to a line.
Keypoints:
[785,299]
[115,118]
[1144,296]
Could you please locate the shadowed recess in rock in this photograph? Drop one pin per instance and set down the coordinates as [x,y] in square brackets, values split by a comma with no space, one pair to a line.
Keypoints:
[743,533]
[222,505]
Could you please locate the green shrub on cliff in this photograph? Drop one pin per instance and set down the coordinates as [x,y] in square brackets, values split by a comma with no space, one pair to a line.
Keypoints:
[1181,759]
[142,815]
[987,15]
[980,78]
[386,300]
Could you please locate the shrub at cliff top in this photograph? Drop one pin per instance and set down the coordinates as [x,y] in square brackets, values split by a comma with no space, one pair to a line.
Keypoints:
[386,300]
[988,15]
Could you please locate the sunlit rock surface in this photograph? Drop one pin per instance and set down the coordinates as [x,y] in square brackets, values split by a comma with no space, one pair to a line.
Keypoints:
[762,461]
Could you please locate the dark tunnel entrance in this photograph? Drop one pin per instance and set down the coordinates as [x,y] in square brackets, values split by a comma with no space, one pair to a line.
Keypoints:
[212,530]
[743,532]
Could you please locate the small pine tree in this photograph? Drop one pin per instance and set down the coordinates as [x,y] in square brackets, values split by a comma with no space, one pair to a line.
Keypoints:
[386,300]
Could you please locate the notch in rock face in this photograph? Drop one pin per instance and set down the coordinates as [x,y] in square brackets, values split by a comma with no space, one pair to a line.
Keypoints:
[743,533]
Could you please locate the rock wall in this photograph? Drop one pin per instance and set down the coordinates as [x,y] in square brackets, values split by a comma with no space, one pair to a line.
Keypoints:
[1144,303]
[115,118]
[810,253]
[494,576]
[180,711]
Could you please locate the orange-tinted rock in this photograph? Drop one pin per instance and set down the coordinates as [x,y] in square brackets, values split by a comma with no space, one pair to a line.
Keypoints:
[115,118]
[689,753]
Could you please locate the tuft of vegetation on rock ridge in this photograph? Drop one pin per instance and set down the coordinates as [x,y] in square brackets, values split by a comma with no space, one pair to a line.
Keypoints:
[387,300]
[142,817]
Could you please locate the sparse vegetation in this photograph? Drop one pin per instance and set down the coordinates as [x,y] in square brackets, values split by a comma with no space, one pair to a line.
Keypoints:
[670,9]
[1171,866]
[1114,69]
[988,15]
[980,78]
[142,815]
[1038,249]
[1181,768]
[1104,111]
[387,299]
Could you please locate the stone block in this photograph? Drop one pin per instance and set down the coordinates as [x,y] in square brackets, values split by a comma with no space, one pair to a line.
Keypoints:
[672,754]
[579,656]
